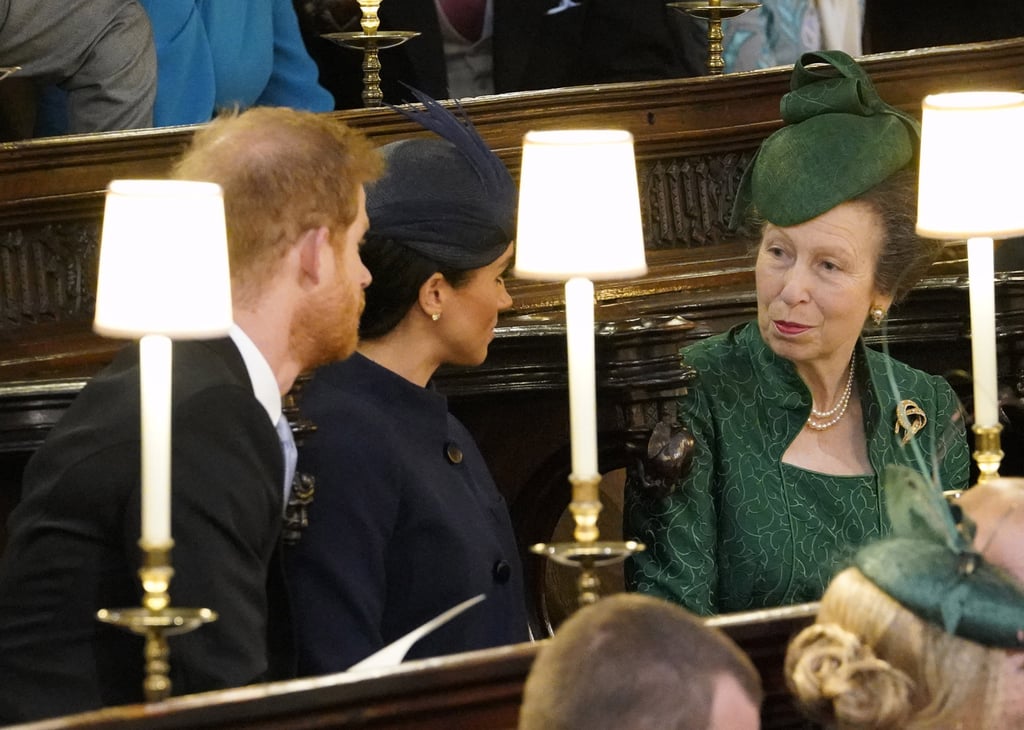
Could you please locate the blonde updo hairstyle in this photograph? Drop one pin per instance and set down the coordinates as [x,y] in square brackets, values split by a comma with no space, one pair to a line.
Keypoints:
[868,662]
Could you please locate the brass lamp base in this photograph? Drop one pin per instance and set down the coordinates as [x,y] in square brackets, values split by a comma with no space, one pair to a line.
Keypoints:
[381,40]
[587,556]
[370,44]
[156,626]
[714,13]
[988,453]
[156,619]
[724,11]
[597,554]
[587,552]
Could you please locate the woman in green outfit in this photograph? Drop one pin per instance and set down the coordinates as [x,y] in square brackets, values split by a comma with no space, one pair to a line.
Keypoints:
[794,418]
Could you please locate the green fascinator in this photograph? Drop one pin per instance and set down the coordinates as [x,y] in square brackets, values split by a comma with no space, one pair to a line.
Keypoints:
[929,565]
[840,140]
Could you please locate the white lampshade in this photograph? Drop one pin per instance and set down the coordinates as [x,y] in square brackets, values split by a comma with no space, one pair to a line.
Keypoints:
[163,261]
[972,153]
[579,206]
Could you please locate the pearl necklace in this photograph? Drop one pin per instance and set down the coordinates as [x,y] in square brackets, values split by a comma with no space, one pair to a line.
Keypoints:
[836,413]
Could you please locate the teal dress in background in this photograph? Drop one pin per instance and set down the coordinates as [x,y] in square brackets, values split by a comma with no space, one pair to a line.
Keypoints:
[777,34]
[742,530]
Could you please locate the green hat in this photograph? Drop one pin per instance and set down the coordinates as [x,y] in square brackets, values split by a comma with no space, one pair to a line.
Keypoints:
[930,566]
[840,141]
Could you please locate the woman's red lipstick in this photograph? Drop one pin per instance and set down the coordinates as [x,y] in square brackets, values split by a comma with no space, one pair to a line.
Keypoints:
[789,328]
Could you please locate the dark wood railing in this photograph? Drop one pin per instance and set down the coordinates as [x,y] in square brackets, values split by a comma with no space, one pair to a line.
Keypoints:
[693,138]
[474,691]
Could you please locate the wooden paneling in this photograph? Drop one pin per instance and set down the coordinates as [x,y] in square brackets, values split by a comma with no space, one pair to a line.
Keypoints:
[473,691]
[703,115]
[693,137]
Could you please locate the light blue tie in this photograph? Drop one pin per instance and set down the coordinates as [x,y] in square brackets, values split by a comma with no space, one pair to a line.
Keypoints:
[291,454]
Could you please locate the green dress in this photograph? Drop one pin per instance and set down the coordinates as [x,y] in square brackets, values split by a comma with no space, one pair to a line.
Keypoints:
[742,530]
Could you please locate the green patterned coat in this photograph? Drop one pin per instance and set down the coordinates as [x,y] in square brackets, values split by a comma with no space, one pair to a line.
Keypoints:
[742,530]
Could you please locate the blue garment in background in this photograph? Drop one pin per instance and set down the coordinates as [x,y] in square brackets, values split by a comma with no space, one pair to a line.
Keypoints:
[214,54]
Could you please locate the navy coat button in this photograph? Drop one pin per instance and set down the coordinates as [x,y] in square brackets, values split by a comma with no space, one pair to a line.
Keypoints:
[454,453]
[501,571]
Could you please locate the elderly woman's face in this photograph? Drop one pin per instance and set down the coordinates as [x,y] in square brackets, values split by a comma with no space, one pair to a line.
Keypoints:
[816,283]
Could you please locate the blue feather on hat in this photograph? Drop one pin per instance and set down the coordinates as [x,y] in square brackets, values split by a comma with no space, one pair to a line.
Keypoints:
[450,199]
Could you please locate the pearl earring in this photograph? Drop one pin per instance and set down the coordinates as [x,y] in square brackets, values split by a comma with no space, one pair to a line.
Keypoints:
[877,314]
[435,316]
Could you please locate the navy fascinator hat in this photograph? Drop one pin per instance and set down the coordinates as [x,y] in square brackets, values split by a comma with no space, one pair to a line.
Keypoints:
[451,200]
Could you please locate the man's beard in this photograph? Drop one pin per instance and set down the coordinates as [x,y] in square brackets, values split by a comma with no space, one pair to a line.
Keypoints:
[327,329]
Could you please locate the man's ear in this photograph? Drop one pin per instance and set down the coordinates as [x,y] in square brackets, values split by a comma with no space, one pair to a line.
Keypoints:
[432,293]
[312,246]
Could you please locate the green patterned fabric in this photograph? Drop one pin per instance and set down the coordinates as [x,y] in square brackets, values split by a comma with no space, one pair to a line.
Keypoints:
[744,531]
[840,140]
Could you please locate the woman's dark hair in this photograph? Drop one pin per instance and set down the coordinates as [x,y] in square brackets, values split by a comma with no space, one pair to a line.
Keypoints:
[905,256]
[398,273]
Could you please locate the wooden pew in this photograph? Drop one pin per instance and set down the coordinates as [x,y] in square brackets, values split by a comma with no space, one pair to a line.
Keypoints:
[693,138]
[473,691]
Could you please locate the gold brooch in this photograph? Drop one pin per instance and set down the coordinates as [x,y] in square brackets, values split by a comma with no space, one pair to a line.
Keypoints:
[911,418]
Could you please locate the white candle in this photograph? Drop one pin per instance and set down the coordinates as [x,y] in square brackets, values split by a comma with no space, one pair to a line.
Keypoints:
[155,384]
[983,331]
[579,323]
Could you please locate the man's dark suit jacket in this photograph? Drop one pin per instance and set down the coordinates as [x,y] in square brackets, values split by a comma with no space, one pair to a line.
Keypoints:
[600,41]
[73,540]
[948,22]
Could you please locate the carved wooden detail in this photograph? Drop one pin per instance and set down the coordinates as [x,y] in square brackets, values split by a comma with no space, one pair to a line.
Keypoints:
[687,201]
[693,139]
[48,273]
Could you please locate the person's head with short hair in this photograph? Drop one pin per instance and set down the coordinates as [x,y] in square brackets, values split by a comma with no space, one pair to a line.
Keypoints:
[295,213]
[283,172]
[635,661]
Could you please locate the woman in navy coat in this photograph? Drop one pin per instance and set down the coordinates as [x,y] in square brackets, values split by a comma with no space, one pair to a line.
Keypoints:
[406,520]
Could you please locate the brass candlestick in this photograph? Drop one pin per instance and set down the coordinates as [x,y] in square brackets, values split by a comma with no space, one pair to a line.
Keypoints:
[714,11]
[988,453]
[370,41]
[587,553]
[156,620]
